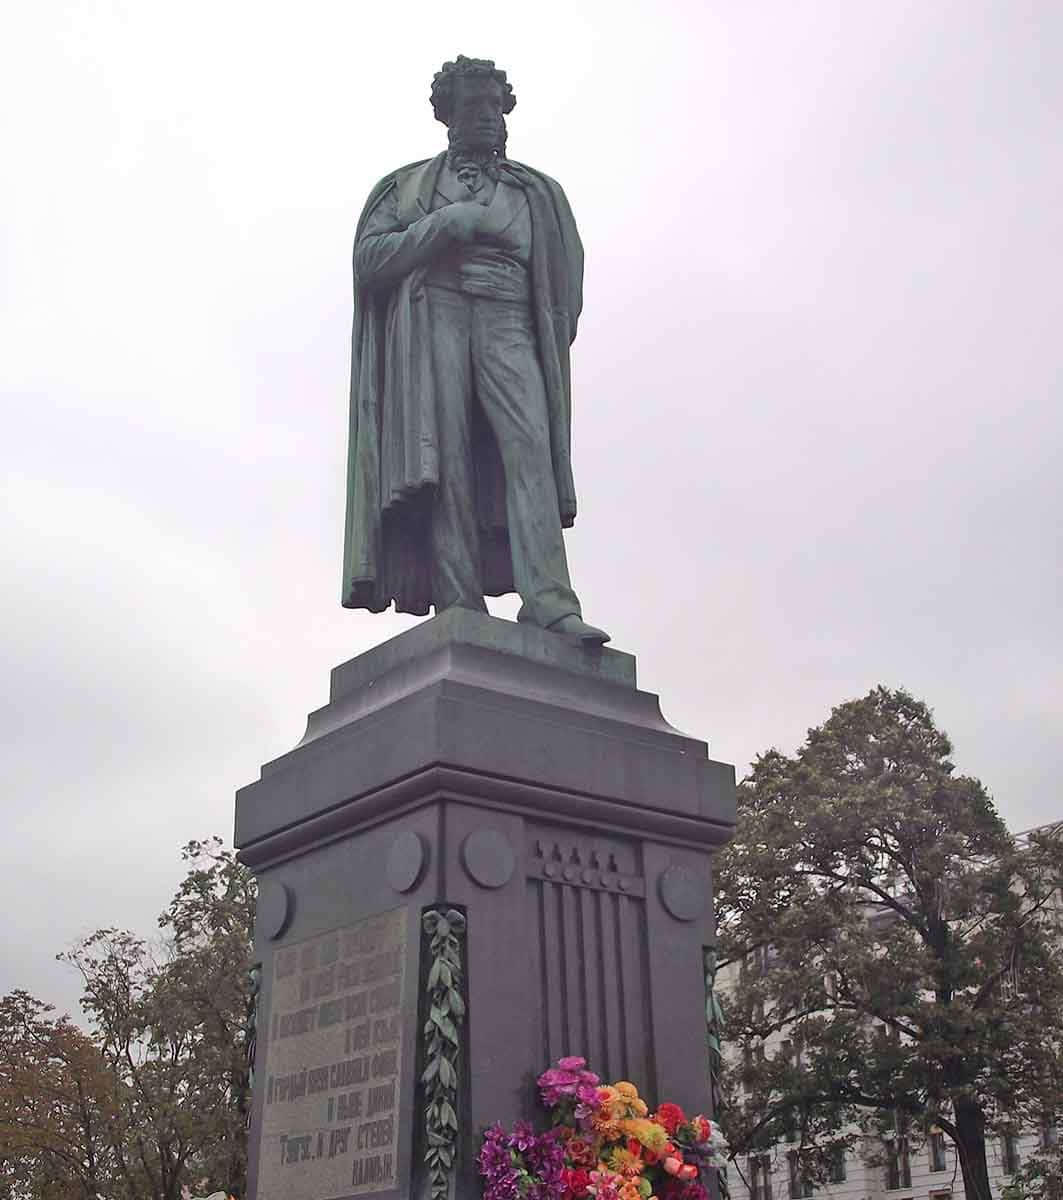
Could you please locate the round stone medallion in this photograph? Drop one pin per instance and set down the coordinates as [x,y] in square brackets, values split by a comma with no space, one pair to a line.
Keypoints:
[683,893]
[274,909]
[489,858]
[406,861]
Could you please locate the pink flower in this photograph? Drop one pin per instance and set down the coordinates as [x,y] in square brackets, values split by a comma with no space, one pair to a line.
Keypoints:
[571,1063]
[569,1080]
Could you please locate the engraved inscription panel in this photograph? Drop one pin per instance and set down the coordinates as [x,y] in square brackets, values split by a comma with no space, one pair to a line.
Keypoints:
[330,1112]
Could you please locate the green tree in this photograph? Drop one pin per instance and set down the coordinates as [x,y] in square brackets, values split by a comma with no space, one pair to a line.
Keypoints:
[56,1106]
[895,934]
[167,1019]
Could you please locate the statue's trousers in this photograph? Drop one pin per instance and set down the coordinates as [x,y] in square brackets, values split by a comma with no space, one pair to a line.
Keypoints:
[484,351]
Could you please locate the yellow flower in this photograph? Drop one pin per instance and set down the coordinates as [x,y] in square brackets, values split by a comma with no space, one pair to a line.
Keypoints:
[649,1133]
[627,1090]
[623,1162]
[638,1107]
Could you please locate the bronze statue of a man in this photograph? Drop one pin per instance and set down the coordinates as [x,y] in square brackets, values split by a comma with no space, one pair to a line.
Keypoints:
[468,279]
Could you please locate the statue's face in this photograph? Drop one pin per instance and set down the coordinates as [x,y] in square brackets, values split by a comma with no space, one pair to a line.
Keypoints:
[476,120]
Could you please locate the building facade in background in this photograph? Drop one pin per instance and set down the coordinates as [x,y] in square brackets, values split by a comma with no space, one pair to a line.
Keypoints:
[902,1164]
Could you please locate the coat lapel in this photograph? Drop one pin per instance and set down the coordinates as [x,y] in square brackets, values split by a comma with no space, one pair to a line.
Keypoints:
[447,188]
[416,189]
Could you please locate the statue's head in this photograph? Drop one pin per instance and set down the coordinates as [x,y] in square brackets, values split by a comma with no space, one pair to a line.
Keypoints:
[471,97]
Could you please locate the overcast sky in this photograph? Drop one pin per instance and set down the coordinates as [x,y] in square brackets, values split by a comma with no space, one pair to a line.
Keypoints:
[817,383]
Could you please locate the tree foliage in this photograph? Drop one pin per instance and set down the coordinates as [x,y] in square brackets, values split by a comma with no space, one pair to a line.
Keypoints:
[162,1061]
[56,1105]
[896,935]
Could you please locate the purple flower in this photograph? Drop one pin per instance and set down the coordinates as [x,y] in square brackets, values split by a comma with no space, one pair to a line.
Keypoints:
[523,1164]
[497,1167]
[523,1136]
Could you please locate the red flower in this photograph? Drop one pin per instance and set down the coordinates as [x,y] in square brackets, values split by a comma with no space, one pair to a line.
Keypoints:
[575,1182]
[671,1116]
[580,1153]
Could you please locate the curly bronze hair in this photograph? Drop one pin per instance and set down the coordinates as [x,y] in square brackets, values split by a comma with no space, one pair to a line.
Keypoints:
[443,84]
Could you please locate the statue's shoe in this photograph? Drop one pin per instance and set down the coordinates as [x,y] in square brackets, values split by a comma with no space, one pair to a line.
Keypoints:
[573,626]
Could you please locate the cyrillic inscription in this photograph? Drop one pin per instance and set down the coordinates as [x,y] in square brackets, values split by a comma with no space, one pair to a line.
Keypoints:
[330,1117]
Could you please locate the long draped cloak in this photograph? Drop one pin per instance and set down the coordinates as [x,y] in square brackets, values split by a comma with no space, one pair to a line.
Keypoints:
[393,447]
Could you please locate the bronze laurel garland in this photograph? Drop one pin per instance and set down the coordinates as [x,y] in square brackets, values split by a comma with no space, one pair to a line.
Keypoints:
[254,986]
[714,1030]
[442,1046]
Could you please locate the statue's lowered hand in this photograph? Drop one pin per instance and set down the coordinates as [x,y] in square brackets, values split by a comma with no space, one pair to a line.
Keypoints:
[464,219]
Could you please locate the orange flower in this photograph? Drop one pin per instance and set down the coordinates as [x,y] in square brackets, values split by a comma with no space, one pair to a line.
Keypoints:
[625,1163]
[627,1090]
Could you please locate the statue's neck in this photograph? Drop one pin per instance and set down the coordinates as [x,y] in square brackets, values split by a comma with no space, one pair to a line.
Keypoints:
[486,159]
[485,156]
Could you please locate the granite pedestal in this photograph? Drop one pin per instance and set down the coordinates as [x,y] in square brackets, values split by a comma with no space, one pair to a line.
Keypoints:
[477,766]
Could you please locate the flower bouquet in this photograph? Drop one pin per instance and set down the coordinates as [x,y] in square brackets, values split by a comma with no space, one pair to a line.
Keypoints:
[604,1144]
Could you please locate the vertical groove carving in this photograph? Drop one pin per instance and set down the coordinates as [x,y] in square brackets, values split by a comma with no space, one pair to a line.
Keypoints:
[588,951]
[538,952]
[562,961]
[576,1031]
[551,1001]
[621,987]
[648,1044]
[612,1064]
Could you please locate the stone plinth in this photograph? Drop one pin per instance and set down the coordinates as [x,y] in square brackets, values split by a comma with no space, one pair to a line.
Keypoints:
[524,781]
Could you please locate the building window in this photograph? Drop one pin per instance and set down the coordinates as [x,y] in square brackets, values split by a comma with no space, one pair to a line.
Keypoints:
[760,1178]
[800,1180]
[946,1195]
[1009,1153]
[936,1146]
[837,1165]
[898,1164]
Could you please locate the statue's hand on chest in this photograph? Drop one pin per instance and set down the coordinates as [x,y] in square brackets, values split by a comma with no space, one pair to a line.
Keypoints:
[481,188]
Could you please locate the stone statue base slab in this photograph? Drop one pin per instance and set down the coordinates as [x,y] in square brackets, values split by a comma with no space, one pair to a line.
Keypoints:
[523,781]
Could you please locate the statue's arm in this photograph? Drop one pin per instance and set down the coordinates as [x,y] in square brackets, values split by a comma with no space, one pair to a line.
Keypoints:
[386,250]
